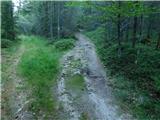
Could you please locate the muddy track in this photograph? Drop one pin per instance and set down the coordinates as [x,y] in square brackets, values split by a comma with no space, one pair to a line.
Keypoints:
[97,101]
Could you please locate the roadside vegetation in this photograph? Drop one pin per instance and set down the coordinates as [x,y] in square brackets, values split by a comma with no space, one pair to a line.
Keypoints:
[40,66]
[76,83]
[134,76]
[64,44]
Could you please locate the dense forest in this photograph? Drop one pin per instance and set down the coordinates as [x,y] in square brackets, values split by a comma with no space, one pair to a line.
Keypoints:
[80,60]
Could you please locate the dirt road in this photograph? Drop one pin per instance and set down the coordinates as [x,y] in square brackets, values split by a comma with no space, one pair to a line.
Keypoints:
[96,102]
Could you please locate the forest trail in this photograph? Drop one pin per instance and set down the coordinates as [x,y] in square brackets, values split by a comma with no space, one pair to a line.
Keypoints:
[14,92]
[96,101]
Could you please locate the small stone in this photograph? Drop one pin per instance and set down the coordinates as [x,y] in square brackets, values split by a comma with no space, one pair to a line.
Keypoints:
[16,117]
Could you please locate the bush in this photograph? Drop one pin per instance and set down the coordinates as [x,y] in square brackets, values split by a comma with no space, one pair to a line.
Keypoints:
[6,43]
[64,44]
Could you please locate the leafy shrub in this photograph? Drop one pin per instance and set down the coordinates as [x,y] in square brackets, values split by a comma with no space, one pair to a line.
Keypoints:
[6,43]
[64,44]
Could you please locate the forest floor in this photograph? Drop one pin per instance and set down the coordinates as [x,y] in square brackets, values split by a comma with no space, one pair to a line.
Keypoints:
[92,98]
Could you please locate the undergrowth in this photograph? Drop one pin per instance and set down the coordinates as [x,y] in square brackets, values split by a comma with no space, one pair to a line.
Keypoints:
[40,66]
[136,74]
[64,44]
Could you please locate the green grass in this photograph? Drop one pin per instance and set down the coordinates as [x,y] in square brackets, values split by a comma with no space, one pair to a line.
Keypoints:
[136,74]
[76,83]
[40,67]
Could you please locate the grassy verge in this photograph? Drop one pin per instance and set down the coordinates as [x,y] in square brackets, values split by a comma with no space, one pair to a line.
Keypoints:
[40,66]
[136,75]
[76,83]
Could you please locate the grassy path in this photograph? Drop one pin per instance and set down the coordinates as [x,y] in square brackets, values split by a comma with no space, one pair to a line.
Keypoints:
[14,94]
[29,73]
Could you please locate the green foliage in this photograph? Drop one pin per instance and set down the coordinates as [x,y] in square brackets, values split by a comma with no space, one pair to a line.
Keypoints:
[39,65]
[76,83]
[84,116]
[7,20]
[64,44]
[138,74]
[78,4]
[6,43]
[45,18]
[156,79]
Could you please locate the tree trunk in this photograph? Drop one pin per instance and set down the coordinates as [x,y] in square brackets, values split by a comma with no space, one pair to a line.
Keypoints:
[58,21]
[158,42]
[134,39]
[7,19]
[118,30]
[127,33]
[51,20]
[141,28]
[149,28]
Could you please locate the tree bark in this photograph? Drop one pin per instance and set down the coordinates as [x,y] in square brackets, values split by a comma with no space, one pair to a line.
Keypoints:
[158,42]
[134,32]
[141,28]
[51,20]
[58,21]
[118,30]
[127,33]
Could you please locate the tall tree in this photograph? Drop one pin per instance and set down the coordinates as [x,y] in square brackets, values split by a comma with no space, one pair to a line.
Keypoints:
[7,20]
[134,29]
[119,29]
[58,20]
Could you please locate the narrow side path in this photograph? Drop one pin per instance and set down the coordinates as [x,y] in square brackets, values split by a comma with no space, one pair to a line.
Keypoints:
[14,90]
